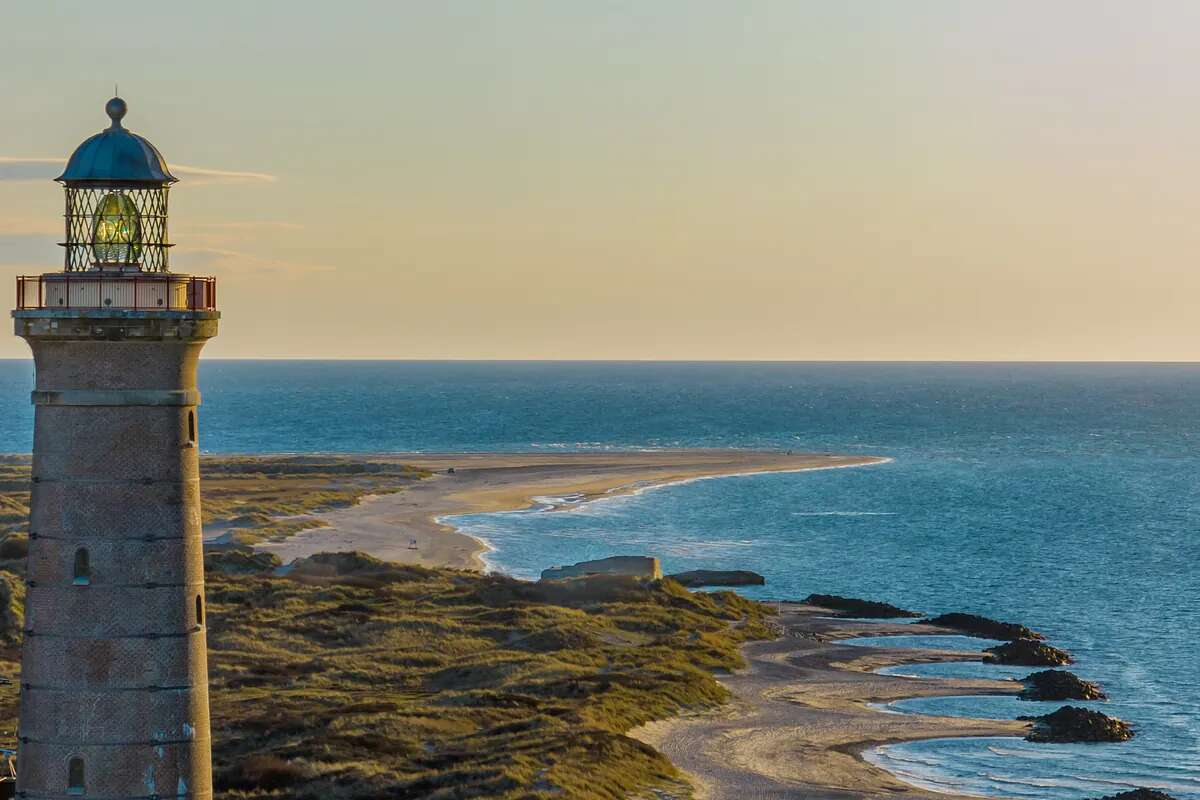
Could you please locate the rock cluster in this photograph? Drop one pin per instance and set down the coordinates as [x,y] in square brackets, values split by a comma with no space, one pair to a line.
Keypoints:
[853,607]
[716,577]
[1027,653]
[974,625]
[1057,684]
[1139,794]
[1075,724]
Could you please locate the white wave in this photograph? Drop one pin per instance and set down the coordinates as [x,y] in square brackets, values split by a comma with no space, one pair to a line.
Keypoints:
[1030,754]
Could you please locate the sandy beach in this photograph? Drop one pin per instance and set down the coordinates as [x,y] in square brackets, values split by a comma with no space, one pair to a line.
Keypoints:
[404,527]
[799,720]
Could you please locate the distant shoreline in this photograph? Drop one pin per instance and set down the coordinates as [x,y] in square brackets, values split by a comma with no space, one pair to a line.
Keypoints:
[410,526]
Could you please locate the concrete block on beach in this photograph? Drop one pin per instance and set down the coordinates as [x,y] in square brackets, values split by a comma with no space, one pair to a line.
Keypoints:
[637,566]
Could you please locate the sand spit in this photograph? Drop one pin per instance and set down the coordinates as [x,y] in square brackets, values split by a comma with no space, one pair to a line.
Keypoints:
[405,527]
[799,720]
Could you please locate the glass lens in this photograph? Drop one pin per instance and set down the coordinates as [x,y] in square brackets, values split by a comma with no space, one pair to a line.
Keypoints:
[116,231]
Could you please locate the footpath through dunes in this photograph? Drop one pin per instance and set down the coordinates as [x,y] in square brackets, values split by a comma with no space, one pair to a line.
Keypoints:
[800,716]
[406,527]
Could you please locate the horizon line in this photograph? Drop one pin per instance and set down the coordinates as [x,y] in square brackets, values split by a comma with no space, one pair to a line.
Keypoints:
[1163,362]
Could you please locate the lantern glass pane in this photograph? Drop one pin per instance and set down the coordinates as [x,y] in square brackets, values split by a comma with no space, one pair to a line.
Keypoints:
[116,231]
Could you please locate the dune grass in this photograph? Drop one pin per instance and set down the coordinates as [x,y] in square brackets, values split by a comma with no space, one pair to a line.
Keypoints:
[405,682]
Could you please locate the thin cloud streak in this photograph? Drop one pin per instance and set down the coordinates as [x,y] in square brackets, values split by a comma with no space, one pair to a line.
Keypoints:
[36,168]
[249,225]
[237,261]
[206,175]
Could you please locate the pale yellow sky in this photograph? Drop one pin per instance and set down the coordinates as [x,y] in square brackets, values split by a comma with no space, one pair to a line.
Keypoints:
[675,179]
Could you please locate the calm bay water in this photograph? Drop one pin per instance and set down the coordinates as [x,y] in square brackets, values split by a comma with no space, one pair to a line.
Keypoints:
[1064,496]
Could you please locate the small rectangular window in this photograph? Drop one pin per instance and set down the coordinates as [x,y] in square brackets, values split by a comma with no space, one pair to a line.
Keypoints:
[75,776]
[83,567]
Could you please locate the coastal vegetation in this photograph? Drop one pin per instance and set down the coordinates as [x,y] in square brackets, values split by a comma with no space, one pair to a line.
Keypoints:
[271,498]
[357,678]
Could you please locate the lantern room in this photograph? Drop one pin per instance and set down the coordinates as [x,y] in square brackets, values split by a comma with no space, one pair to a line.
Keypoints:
[117,249]
[116,184]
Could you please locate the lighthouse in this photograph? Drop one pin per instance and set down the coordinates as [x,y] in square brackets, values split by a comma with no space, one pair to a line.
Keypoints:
[114,676]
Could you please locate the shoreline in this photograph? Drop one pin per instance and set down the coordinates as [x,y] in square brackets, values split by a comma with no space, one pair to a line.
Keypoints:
[802,716]
[412,526]
[800,722]
[543,503]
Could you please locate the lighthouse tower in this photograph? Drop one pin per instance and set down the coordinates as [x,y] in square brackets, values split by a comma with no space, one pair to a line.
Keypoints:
[114,679]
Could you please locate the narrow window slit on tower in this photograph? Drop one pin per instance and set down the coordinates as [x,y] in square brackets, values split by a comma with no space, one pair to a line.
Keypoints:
[83,569]
[192,427]
[199,610]
[75,776]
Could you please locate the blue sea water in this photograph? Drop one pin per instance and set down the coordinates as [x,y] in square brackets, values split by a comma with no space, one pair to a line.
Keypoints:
[1063,496]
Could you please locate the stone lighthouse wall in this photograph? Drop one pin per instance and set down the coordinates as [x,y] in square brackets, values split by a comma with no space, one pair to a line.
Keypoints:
[114,680]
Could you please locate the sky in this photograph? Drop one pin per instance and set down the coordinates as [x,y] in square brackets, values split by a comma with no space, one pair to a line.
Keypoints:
[653,179]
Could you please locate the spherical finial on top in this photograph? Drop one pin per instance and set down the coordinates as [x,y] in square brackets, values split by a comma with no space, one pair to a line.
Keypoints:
[115,109]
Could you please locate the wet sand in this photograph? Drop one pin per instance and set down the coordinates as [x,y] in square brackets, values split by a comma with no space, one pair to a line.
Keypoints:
[404,526]
[799,720]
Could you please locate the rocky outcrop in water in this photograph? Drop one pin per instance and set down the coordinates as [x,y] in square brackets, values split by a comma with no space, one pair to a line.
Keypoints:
[1075,724]
[638,566]
[1057,684]
[1027,653]
[717,577]
[973,625]
[853,607]
[1138,794]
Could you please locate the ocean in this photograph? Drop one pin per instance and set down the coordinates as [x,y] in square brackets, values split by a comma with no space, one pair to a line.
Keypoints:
[1062,496]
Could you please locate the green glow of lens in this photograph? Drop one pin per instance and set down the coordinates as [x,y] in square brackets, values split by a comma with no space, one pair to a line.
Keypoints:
[116,231]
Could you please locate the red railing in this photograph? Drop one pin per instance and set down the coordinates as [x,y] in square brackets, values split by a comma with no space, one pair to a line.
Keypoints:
[131,292]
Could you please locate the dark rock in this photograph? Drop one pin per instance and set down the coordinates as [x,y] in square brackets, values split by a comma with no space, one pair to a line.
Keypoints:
[639,566]
[1057,684]
[238,561]
[1027,653]
[1075,724]
[1139,794]
[716,577]
[973,625]
[853,607]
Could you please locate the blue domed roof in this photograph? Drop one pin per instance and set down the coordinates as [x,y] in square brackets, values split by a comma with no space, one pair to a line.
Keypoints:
[117,155]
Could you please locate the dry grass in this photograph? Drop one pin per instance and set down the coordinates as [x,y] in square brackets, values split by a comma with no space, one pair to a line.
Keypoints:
[405,682]
[272,498]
